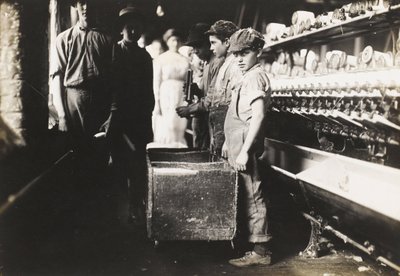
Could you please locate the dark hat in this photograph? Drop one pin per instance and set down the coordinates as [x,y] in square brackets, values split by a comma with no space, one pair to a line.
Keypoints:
[169,33]
[222,29]
[73,2]
[197,34]
[246,39]
[130,12]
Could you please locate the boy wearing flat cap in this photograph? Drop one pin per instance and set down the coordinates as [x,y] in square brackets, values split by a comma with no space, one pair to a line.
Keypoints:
[244,143]
[219,94]
[131,122]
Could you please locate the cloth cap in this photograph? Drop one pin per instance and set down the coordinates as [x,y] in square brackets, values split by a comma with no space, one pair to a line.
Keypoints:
[197,34]
[246,39]
[73,2]
[222,28]
[169,33]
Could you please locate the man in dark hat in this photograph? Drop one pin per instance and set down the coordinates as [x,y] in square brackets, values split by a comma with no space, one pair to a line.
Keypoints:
[131,120]
[201,46]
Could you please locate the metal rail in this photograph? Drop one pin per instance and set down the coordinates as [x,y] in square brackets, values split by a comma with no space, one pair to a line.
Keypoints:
[346,239]
[14,198]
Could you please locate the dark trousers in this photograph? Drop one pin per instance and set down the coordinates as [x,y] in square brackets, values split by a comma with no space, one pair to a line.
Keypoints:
[87,108]
[216,127]
[130,176]
[201,136]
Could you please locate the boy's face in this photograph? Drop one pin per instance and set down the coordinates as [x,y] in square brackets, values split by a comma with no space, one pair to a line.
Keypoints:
[132,30]
[202,51]
[246,59]
[219,48]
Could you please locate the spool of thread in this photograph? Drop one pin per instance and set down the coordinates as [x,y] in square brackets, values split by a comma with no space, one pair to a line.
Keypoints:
[275,30]
[338,16]
[281,58]
[351,61]
[363,5]
[397,59]
[295,71]
[311,61]
[398,44]
[302,27]
[294,30]
[299,16]
[378,5]
[309,23]
[367,54]
[314,66]
[383,59]
[347,7]
[354,9]
[342,57]
[298,60]
[288,59]
[275,68]
[283,69]
[286,32]
[334,61]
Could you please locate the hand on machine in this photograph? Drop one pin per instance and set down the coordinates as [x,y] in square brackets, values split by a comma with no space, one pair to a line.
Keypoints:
[190,91]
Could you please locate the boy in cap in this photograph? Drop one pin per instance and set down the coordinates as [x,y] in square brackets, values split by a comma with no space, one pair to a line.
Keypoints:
[244,134]
[218,97]
[134,102]
[219,35]
[201,48]
[80,78]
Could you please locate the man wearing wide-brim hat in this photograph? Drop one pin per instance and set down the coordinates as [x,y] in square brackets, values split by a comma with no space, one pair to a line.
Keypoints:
[133,84]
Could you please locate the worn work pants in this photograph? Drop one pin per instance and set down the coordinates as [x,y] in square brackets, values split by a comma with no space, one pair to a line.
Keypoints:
[88,107]
[252,206]
[216,127]
[130,176]
[201,137]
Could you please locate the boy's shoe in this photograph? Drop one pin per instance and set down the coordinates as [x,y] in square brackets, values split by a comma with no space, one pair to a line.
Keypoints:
[251,258]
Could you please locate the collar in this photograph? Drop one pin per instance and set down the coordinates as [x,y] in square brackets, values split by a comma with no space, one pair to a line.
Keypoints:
[128,44]
[84,29]
[255,67]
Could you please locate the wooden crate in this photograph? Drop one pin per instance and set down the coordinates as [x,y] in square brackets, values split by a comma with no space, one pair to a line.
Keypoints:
[189,197]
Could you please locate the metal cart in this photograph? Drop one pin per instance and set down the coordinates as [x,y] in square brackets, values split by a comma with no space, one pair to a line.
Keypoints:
[190,197]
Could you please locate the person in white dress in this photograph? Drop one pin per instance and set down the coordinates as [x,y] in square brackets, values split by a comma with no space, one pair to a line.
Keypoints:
[170,69]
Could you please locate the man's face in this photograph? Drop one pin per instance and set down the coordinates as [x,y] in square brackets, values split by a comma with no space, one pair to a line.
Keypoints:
[83,9]
[246,59]
[132,30]
[219,48]
[202,51]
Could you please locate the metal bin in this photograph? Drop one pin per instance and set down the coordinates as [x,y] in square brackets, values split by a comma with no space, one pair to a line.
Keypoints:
[190,197]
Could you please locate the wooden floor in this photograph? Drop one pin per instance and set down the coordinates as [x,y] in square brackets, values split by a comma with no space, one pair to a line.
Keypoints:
[54,234]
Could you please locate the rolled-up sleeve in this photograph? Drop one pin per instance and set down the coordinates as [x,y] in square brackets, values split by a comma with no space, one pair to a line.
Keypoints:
[59,56]
[256,87]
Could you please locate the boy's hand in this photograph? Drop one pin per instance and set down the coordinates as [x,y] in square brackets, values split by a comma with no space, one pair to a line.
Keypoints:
[183,111]
[224,152]
[241,161]
[62,124]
